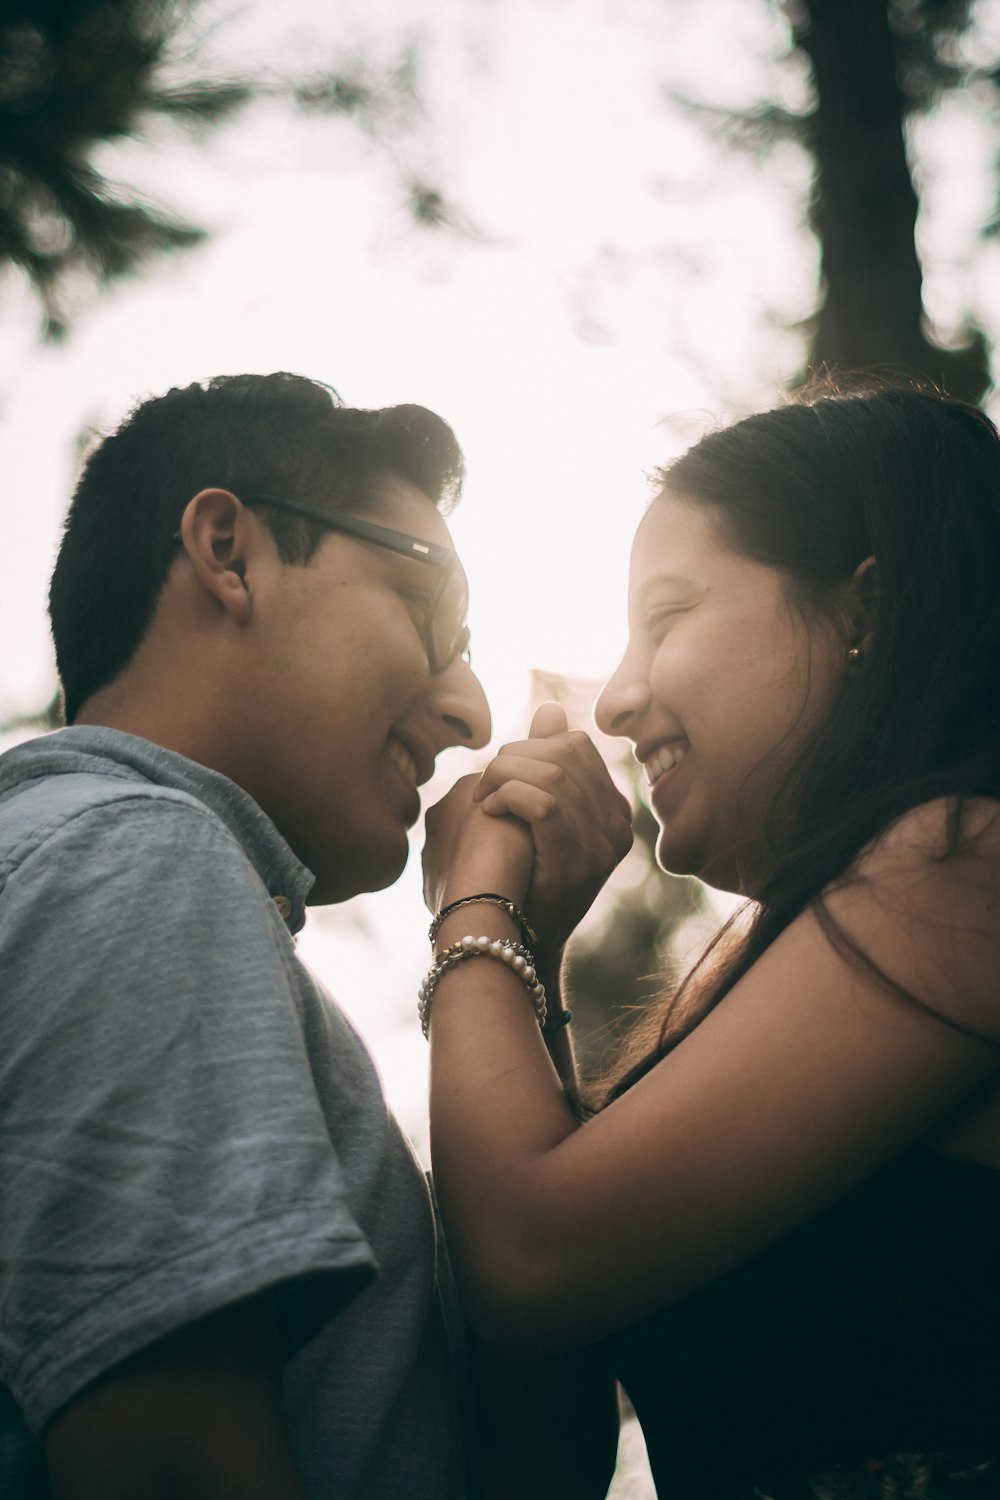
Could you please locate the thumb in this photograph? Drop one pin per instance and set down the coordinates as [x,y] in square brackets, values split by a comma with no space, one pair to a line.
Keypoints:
[549,719]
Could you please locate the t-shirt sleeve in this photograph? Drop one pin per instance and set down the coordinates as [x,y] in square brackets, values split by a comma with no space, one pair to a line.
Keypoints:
[163,1152]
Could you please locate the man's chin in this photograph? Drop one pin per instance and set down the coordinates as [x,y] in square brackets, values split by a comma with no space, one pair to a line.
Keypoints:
[353,876]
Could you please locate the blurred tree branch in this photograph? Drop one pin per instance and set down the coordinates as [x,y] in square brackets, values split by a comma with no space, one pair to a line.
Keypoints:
[76,75]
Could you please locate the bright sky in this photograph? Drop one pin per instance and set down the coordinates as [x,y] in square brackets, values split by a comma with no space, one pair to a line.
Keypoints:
[616,282]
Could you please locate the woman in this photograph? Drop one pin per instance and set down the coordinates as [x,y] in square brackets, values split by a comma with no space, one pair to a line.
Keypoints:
[783,1227]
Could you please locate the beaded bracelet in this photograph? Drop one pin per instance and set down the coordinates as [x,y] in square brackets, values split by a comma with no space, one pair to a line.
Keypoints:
[515,955]
[562,1019]
[485,898]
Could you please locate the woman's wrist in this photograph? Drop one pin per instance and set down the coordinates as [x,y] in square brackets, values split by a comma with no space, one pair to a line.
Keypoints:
[481,920]
[484,898]
[509,878]
[496,854]
[486,927]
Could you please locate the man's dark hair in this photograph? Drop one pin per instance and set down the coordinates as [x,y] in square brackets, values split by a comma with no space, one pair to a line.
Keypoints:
[279,434]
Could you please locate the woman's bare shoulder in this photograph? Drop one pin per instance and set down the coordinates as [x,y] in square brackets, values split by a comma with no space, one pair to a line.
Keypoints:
[941,829]
[923,903]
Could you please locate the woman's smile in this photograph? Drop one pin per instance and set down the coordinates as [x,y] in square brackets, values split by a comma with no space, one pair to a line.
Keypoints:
[663,759]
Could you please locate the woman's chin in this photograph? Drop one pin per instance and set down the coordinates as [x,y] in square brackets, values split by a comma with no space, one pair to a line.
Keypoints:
[675,856]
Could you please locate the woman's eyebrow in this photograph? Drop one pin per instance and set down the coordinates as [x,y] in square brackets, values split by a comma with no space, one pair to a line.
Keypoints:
[669,581]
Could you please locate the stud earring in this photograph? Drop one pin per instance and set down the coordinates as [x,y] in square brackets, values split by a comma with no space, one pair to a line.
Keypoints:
[855,656]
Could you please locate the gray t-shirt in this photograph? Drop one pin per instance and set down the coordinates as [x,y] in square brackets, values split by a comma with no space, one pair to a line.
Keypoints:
[186,1119]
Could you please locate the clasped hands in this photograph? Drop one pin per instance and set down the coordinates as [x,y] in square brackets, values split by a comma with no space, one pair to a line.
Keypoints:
[543,825]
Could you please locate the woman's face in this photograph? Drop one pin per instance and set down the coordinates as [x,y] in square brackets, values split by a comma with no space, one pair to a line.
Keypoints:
[722,686]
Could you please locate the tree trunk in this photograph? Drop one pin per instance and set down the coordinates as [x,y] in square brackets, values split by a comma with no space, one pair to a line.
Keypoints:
[865,209]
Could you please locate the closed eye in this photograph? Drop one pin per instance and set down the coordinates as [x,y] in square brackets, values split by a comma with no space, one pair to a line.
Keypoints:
[417,601]
[415,596]
[658,620]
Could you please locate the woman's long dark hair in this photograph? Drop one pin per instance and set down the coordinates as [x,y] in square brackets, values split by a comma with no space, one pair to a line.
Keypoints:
[814,488]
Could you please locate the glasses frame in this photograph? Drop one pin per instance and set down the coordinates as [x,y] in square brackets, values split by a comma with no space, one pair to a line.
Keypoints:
[401,542]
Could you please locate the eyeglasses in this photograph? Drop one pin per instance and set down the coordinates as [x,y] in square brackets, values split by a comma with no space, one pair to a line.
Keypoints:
[445,633]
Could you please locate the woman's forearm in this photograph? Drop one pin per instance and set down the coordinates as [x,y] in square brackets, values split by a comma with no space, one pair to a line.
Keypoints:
[498,1104]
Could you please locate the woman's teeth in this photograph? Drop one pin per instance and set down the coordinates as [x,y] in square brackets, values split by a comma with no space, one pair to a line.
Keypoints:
[663,759]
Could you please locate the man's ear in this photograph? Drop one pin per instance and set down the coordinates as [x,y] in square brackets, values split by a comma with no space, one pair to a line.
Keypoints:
[863,603]
[215,532]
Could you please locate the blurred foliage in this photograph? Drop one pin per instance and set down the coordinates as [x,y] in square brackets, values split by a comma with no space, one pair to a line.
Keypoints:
[875,65]
[49,717]
[625,954]
[626,961]
[76,75]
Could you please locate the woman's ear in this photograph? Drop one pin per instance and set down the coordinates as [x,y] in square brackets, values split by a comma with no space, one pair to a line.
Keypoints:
[214,532]
[863,603]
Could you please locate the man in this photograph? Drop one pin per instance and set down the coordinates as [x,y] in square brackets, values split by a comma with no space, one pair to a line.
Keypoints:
[216,1250]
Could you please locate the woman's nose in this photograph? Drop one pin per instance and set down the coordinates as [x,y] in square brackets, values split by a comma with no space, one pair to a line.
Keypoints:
[622,699]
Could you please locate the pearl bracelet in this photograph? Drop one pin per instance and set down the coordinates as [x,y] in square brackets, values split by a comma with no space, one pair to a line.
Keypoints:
[515,955]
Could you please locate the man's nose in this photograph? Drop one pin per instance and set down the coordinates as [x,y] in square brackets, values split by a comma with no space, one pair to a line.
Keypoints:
[462,707]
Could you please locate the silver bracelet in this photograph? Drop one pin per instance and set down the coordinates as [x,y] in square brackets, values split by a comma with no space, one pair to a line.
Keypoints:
[515,955]
[485,898]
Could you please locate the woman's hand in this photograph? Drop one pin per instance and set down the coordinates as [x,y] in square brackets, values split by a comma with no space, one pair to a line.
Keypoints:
[581,826]
[553,799]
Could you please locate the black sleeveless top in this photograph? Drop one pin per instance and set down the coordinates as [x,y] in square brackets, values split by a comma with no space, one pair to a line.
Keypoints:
[873,1330]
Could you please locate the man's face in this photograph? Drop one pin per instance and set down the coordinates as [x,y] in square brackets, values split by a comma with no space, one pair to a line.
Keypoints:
[342,717]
